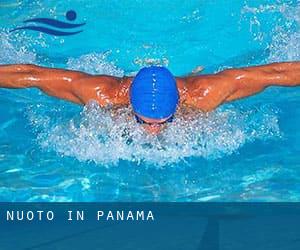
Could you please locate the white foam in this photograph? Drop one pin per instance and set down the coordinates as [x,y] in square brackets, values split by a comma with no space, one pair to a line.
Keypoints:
[106,136]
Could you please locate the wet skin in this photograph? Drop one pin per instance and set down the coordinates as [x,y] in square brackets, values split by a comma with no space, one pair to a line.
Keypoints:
[203,92]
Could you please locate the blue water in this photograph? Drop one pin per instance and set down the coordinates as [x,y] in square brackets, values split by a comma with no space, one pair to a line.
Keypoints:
[248,150]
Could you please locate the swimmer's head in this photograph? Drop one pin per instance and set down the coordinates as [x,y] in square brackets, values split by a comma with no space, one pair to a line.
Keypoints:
[154,95]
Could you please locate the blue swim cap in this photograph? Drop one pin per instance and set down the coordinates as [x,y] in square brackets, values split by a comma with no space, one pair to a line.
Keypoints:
[154,93]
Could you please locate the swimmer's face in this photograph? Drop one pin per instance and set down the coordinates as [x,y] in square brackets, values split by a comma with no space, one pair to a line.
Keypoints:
[153,126]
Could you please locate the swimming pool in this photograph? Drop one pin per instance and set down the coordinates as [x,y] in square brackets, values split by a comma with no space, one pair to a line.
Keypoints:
[248,150]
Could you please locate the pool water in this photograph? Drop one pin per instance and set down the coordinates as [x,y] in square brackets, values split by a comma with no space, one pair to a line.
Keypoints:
[248,150]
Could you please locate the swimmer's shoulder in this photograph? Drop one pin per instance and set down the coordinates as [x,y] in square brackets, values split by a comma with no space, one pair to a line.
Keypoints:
[104,89]
[205,92]
[191,85]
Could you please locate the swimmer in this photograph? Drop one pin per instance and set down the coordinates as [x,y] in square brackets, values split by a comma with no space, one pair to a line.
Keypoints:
[154,93]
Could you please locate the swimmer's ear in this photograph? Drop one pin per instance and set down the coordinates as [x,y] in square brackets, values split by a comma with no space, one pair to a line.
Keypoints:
[196,71]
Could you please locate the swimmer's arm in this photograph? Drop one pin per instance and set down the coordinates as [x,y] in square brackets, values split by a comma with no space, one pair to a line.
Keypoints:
[74,86]
[207,92]
[255,79]
[54,82]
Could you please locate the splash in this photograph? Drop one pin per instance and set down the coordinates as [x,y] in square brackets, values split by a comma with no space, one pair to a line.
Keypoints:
[13,51]
[143,62]
[285,45]
[95,63]
[264,8]
[107,136]
[285,35]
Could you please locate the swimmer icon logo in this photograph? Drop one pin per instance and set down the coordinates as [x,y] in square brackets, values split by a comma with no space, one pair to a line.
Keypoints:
[58,28]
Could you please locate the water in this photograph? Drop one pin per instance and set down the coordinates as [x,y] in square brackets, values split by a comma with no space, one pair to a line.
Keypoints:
[248,150]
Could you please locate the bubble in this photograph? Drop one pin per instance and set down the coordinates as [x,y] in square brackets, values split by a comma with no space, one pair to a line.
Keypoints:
[108,136]
[192,17]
